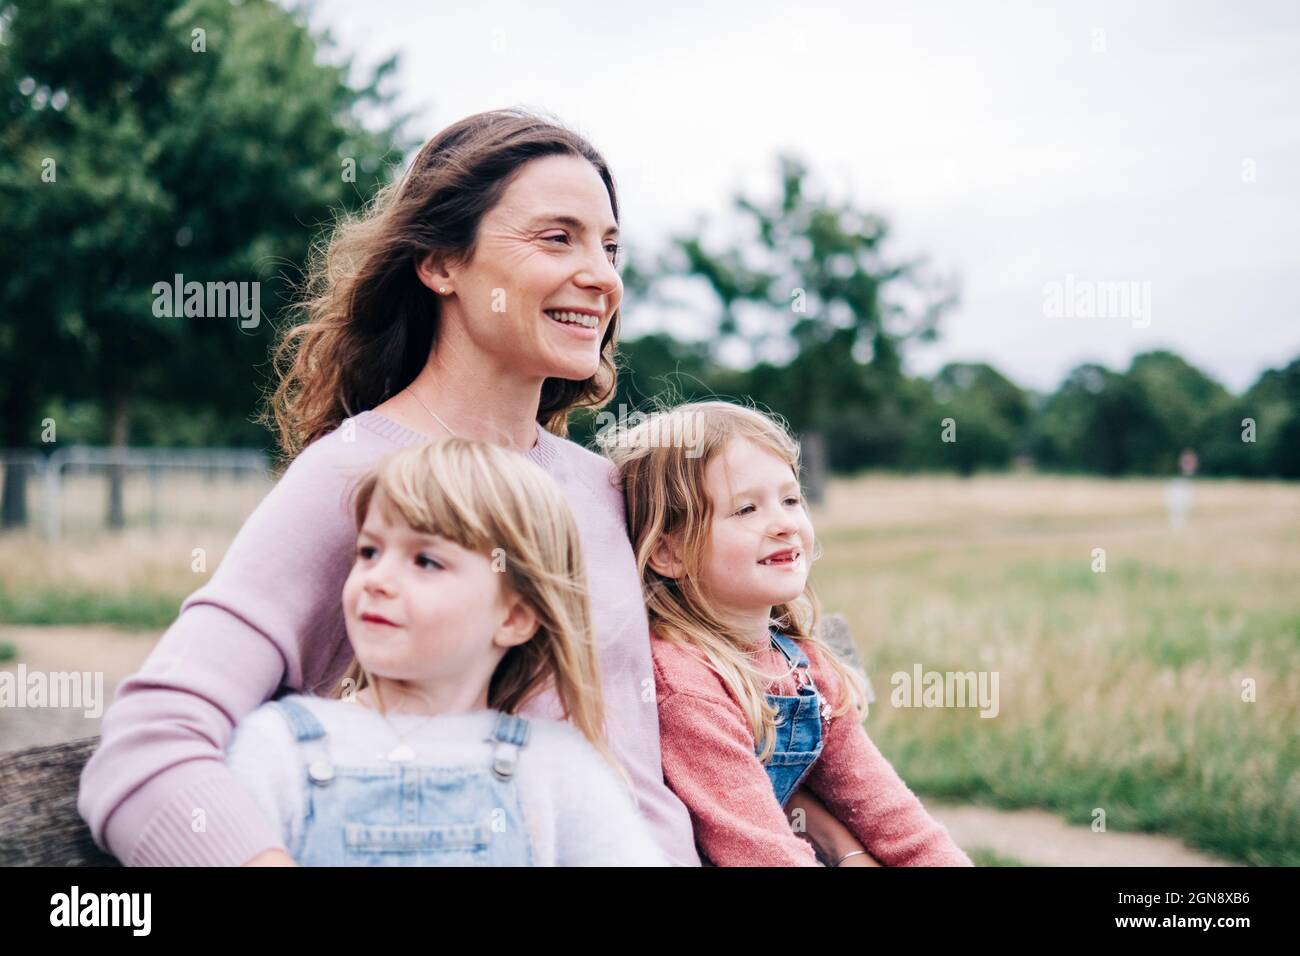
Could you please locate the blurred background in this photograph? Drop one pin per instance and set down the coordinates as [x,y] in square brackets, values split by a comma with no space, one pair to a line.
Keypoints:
[1022,281]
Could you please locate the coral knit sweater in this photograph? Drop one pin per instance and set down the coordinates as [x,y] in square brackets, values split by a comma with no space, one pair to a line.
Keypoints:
[709,762]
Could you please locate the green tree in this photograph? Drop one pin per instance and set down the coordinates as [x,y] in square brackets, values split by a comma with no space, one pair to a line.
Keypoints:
[810,296]
[1085,424]
[1268,414]
[1137,421]
[989,416]
[1184,404]
[145,140]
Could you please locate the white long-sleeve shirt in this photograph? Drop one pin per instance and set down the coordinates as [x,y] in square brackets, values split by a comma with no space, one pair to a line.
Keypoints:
[576,810]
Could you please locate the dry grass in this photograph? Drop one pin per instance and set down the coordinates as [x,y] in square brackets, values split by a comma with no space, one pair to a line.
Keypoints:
[1120,691]
[133,578]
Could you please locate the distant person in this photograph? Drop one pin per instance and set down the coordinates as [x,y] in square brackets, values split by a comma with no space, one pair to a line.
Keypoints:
[1178,496]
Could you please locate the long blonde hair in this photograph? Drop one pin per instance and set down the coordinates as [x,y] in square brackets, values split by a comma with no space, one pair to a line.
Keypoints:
[497,503]
[662,461]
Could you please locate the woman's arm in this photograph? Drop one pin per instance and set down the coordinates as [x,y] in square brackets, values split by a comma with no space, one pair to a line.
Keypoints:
[157,791]
[830,838]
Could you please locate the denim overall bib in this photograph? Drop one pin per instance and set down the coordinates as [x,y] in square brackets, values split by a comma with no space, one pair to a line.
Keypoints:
[798,725]
[409,814]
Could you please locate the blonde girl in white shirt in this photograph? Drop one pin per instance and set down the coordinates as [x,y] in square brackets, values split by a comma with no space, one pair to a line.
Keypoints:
[466,597]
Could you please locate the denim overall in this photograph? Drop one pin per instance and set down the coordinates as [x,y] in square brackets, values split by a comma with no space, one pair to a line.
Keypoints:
[408,814]
[798,725]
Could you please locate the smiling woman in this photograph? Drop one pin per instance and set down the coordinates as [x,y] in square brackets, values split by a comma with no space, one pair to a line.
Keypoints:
[476,296]
[535,297]
[503,223]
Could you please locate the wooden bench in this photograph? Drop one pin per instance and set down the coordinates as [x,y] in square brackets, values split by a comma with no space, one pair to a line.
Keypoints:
[39,822]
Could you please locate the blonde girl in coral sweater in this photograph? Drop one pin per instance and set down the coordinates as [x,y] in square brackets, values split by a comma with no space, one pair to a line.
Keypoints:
[752,703]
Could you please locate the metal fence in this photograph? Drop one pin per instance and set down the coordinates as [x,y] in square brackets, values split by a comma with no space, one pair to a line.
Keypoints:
[70,488]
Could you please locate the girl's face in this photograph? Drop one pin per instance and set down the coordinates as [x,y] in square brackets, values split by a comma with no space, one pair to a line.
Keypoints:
[548,244]
[423,610]
[760,536]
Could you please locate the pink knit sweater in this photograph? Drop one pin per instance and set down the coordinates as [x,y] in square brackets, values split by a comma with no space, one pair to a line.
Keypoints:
[709,762]
[157,791]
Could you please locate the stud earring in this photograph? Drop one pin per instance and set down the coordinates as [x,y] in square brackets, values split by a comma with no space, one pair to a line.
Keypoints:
[442,288]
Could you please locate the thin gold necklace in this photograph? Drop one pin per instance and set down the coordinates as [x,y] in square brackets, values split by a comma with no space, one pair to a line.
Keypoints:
[431,412]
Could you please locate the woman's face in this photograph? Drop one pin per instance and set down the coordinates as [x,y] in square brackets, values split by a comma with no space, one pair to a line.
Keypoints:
[549,244]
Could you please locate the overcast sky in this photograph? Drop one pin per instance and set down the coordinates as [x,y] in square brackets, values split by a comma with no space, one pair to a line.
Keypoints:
[1014,144]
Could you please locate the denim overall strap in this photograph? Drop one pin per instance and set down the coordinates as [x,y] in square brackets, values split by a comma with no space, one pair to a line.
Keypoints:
[308,730]
[302,721]
[508,738]
[794,654]
[797,724]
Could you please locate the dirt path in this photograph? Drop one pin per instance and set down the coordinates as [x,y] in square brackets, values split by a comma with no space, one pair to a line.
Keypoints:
[97,650]
[1038,838]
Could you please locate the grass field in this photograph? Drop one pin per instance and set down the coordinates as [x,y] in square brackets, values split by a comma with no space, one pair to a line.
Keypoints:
[1119,691]
[134,579]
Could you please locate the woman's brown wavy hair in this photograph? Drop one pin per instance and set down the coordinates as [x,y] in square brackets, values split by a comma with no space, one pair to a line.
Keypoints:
[368,322]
